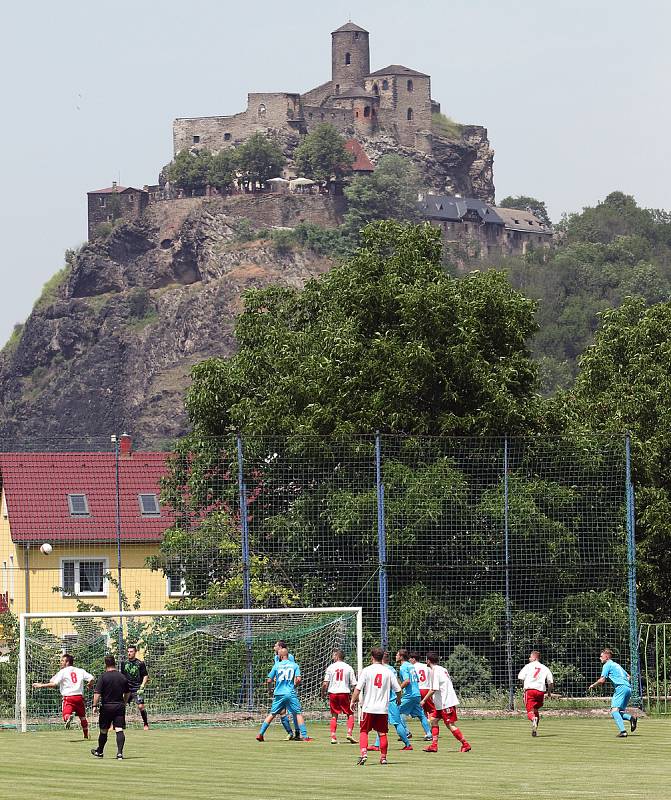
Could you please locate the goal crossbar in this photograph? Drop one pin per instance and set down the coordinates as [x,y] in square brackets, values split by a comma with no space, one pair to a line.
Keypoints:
[228,612]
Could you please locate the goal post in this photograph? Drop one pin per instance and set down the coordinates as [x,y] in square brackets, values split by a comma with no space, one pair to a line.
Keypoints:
[206,666]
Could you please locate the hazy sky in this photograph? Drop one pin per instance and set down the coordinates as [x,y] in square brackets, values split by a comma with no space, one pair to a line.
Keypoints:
[574,93]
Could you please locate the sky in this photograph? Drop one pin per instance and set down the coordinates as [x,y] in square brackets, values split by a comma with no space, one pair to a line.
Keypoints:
[574,94]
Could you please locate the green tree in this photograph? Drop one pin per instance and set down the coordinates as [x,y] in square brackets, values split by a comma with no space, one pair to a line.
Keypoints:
[623,384]
[524,203]
[389,193]
[259,159]
[322,154]
[385,341]
[222,170]
[189,170]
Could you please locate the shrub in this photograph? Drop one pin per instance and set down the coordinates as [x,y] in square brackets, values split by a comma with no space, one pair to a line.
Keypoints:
[446,127]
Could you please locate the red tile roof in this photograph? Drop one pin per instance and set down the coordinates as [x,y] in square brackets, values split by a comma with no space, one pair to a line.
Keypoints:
[361,161]
[37,485]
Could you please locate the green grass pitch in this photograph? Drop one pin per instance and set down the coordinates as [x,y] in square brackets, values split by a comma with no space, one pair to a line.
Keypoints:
[571,758]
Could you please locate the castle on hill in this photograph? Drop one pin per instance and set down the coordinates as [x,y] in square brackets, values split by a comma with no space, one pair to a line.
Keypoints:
[394,101]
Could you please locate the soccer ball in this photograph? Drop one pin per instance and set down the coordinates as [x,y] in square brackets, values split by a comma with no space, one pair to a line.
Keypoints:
[46,548]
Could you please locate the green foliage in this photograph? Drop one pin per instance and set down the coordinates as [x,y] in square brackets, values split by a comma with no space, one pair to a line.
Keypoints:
[259,159]
[14,338]
[443,126]
[469,671]
[322,241]
[322,154]
[190,170]
[388,193]
[385,341]
[524,203]
[51,290]
[222,171]
[244,230]
[283,241]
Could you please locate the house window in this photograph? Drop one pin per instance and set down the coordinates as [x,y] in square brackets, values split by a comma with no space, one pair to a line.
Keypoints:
[337,88]
[149,506]
[175,583]
[227,137]
[78,505]
[410,115]
[410,86]
[83,576]
[366,111]
[130,199]
[196,139]
[262,110]
[385,84]
[356,34]
[101,201]
[348,59]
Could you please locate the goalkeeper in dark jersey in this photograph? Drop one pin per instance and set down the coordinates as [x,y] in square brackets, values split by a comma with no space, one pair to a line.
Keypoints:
[135,672]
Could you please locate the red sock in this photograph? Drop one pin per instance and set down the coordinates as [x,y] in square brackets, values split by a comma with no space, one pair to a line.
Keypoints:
[333,725]
[531,716]
[384,745]
[435,730]
[85,725]
[350,724]
[457,734]
[363,742]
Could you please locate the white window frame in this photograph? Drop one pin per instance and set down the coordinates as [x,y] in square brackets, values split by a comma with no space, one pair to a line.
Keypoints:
[77,561]
[73,514]
[170,592]
[150,514]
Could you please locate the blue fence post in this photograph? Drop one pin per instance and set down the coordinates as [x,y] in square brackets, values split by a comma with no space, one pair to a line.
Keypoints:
[509,616]
[381,545]
[631,576]
[246,584]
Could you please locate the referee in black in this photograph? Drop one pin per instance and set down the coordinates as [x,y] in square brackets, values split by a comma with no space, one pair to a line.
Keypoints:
[111,695]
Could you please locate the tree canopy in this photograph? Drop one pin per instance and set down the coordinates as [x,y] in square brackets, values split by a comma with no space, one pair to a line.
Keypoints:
[322,154]
[524,203]
[259,159]
[190,170]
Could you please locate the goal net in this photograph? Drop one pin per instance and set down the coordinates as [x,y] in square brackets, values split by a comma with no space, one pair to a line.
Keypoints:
[205,667]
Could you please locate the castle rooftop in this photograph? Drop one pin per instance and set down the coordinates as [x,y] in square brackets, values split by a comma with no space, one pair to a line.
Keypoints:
[349,26]
[398,69]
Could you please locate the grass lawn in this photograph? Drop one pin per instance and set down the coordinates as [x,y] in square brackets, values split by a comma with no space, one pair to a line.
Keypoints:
[571,758]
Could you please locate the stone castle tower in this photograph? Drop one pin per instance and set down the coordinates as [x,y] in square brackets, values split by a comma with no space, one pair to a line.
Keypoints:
[350,57]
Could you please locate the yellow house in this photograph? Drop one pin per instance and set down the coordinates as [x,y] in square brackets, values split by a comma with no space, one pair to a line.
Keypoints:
[68,519]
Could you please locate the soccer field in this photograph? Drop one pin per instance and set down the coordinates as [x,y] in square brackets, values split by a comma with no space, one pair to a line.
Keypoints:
[571,758]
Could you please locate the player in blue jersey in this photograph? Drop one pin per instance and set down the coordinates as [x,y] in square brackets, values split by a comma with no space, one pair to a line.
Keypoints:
[394,713]
[619,677]
[410,704]
[284,718]
[286,675]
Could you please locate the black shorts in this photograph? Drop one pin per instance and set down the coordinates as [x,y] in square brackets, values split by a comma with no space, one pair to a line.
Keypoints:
[112,714]
[133,697]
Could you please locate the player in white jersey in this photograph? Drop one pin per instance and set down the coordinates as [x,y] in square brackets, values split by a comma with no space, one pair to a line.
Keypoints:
[375,683]
[339,680]
[70,680]
[537,681]
[445,700]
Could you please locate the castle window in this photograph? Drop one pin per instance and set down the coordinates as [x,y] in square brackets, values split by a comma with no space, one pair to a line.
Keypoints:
[262,110]
[356,114]
[321,116]
[227,137]
[366,111]
[385,84]
[196,139]
[410,86]
[410,115]
[101,201]
[356,34]
[310,114]
[130,199]
[337,88]
[348,59]
[376,88]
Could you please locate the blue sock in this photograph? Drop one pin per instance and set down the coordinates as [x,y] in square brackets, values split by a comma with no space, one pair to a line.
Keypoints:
[303,731]
[285,724]
[377,740]
[618,720]
[264,728]
[403,733]
[625,716]
[297,727]
[425,724]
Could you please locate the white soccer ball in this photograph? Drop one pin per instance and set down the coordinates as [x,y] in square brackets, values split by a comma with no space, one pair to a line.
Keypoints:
[46,548]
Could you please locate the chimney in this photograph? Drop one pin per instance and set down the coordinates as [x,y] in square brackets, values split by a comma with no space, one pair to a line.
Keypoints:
[125,446]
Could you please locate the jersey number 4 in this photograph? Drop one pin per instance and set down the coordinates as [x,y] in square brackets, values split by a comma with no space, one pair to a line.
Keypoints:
[377,681]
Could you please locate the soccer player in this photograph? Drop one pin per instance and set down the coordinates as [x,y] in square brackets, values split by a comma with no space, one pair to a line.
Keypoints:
[111,694]
[135,672]
[446,701]
[377,683]
[70,680]
[410,705]
[284,719]
[286,675]
[394,713]
[537,680]
[619,677]
[424,682]
[339,680]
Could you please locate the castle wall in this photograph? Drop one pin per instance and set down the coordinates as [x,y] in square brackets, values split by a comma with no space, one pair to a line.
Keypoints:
[341,118]
[126,205]
[354,43]
[318,95]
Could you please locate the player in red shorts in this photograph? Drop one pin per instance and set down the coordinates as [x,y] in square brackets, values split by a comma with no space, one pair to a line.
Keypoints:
[446,701]
[424,679]
[375,684]
[339,680]
[70,680]
[538,680]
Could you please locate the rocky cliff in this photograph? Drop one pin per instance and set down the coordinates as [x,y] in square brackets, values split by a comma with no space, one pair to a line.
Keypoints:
[112,350]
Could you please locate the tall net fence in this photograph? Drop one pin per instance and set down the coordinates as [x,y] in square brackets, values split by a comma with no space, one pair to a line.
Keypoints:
[478,548]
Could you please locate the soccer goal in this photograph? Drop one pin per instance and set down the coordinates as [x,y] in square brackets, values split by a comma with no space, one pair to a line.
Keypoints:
[205,667]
